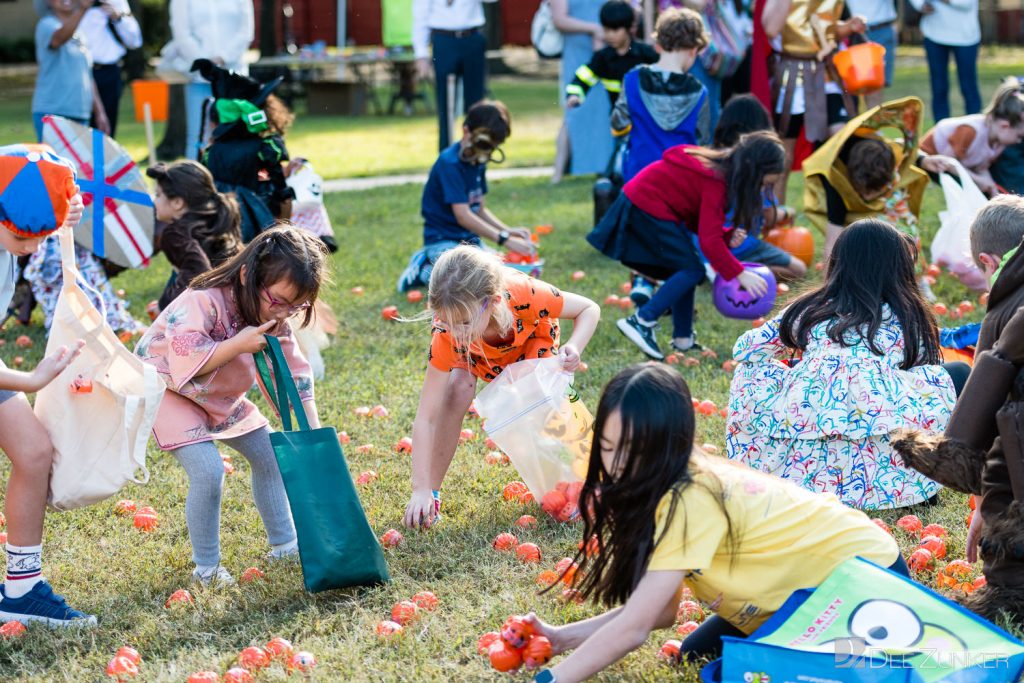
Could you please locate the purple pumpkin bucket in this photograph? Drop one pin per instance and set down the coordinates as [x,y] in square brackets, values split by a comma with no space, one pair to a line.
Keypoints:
[733,301]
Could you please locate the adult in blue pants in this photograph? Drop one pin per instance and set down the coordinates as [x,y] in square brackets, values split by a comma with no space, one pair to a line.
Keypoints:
[951,27]
[452,27]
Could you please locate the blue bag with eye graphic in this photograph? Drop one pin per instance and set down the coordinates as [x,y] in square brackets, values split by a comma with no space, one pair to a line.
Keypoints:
[866,624]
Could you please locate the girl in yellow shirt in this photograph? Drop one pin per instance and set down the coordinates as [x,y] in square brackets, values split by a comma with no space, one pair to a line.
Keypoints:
[667,516]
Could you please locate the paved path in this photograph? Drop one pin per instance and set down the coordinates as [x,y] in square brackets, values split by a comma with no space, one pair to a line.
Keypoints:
[356,184]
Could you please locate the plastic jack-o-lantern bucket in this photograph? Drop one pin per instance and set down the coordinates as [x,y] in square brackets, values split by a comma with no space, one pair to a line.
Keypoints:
[862,67]
[733,301]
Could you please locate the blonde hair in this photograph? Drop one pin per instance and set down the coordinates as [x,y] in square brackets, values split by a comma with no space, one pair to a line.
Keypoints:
[462,282]
[998,227]
[1007,103]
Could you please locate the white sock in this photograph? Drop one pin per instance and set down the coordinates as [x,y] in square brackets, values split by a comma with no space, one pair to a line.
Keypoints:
[283,549]
[24,569]
[645,323]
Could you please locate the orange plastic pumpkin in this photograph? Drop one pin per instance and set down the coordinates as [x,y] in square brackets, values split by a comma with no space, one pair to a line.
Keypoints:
[796,241]
[123,508]
[485,641]
[686,628]
[921,560]
[253,658]
[12,629]
[404,611]
[252,574]
[910,523]
[505,542]
[513,490]
[404,445]
[553,502]
[537,652]
[179,597]
[237,675]
[670,650]
[689,610]
[516,631]
[862,67]
[934,530]
[388,628]
[302,661]
[425,600]
[279,648]
[391,538]
[935,545]
[547,578]
[146,519]
[204,677]
[528,553]
[130,653]
[503,656]
[527,522]
[120,668]
[567,569]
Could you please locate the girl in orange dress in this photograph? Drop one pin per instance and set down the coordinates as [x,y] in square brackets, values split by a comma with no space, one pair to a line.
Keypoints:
[486,316]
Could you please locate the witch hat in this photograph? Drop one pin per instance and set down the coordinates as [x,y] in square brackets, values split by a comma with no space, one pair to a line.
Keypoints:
[229,85]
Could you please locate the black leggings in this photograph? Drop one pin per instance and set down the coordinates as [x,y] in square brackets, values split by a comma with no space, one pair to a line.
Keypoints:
[706,641]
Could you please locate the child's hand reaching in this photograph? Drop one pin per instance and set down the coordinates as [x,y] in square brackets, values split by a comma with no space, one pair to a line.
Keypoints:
[521,246]
[570,358]
[737,237]
[53,365]
[753,283]
[572,101]
[974,533]
[419,513]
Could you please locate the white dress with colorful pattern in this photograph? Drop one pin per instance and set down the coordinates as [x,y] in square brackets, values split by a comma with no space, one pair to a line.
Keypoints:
[825,422]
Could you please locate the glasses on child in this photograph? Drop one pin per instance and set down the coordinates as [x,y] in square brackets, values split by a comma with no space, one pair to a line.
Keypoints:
[275,303]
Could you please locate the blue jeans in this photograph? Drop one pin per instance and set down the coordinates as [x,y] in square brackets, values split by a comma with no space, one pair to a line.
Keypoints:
[966,57]
[37,123]
[887,37]
[195,94]
[464,57]
[675,293]
[714,86]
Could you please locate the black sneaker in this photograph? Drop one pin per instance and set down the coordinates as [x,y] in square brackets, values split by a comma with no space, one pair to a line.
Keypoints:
[682,348]
[641,335]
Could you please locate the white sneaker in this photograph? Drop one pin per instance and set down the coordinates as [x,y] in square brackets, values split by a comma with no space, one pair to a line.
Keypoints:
[216,576]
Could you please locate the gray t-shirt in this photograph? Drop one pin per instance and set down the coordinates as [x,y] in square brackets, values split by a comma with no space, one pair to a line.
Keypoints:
[64,83]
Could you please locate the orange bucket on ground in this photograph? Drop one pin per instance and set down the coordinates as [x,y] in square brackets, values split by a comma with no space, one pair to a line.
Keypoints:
[862,67]
[154,92]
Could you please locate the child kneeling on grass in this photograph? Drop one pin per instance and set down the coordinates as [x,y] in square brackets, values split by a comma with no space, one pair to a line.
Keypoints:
[869,364]
[453,198]
[26,596]
[668,517]
[203,345]
[485,316]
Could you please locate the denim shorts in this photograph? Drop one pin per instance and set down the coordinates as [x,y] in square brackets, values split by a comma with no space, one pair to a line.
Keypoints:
[765,254]
[886,37]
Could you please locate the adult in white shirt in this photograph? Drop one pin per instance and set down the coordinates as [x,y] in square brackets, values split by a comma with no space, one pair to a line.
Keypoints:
[218,30]
[880,16]
[110,31]
[452,27]
[951,26]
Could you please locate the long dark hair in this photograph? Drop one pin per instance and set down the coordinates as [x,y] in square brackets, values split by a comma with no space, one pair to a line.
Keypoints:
[872,263]
[741,114]
[212,218]
[283,252]
[653,459]
[743,167]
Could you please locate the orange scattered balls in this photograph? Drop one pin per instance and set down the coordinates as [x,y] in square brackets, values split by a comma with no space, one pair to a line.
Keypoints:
[910,523]
[179,597]
[513,490]
[425,600]
[122,508]
[526,522]
[278,648]
[505,542]
[485,641]
[121,668]
[391,538]
[528,553]
[537,652]
[414,296]
[251,574]
[404,611]
[388,628]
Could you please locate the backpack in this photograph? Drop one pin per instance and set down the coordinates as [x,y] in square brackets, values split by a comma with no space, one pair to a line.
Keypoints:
[728,46]
[547,40]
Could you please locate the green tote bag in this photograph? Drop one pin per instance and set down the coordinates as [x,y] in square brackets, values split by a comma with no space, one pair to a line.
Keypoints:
[337,547]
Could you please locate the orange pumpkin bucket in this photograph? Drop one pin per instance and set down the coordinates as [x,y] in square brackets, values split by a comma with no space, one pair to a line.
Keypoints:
[862,67]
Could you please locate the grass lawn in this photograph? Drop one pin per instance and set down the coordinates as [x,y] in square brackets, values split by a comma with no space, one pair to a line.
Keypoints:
[345,146]
[105,567]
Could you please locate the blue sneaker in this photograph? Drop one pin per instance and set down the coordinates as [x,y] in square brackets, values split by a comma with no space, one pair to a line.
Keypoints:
[410,277]
[41,604]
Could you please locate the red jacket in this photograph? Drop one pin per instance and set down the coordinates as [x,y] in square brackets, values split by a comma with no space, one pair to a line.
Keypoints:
[682,189]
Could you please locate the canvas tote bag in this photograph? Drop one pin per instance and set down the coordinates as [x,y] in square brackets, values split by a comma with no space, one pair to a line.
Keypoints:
[99,437]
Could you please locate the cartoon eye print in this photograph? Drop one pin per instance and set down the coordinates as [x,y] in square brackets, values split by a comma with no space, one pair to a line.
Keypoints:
[886,625]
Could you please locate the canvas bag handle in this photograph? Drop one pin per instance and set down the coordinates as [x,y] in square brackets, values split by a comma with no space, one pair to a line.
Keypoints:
[281,388]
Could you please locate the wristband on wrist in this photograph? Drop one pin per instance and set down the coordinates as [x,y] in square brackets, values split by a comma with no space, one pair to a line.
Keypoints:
[503,237]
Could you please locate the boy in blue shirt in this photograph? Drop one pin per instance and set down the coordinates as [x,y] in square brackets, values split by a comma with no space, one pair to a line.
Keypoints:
[453,199]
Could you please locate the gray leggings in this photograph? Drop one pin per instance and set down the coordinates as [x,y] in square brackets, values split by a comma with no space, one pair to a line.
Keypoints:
[206,480]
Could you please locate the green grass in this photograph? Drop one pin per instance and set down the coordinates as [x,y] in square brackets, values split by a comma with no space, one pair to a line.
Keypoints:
[344,146]
[106,567]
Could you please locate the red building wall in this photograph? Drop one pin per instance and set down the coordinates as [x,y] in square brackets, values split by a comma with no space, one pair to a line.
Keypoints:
[318,20]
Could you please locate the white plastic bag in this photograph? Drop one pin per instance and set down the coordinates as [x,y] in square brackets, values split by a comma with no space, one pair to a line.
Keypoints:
[952,244]
[535,416]
[99,437]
